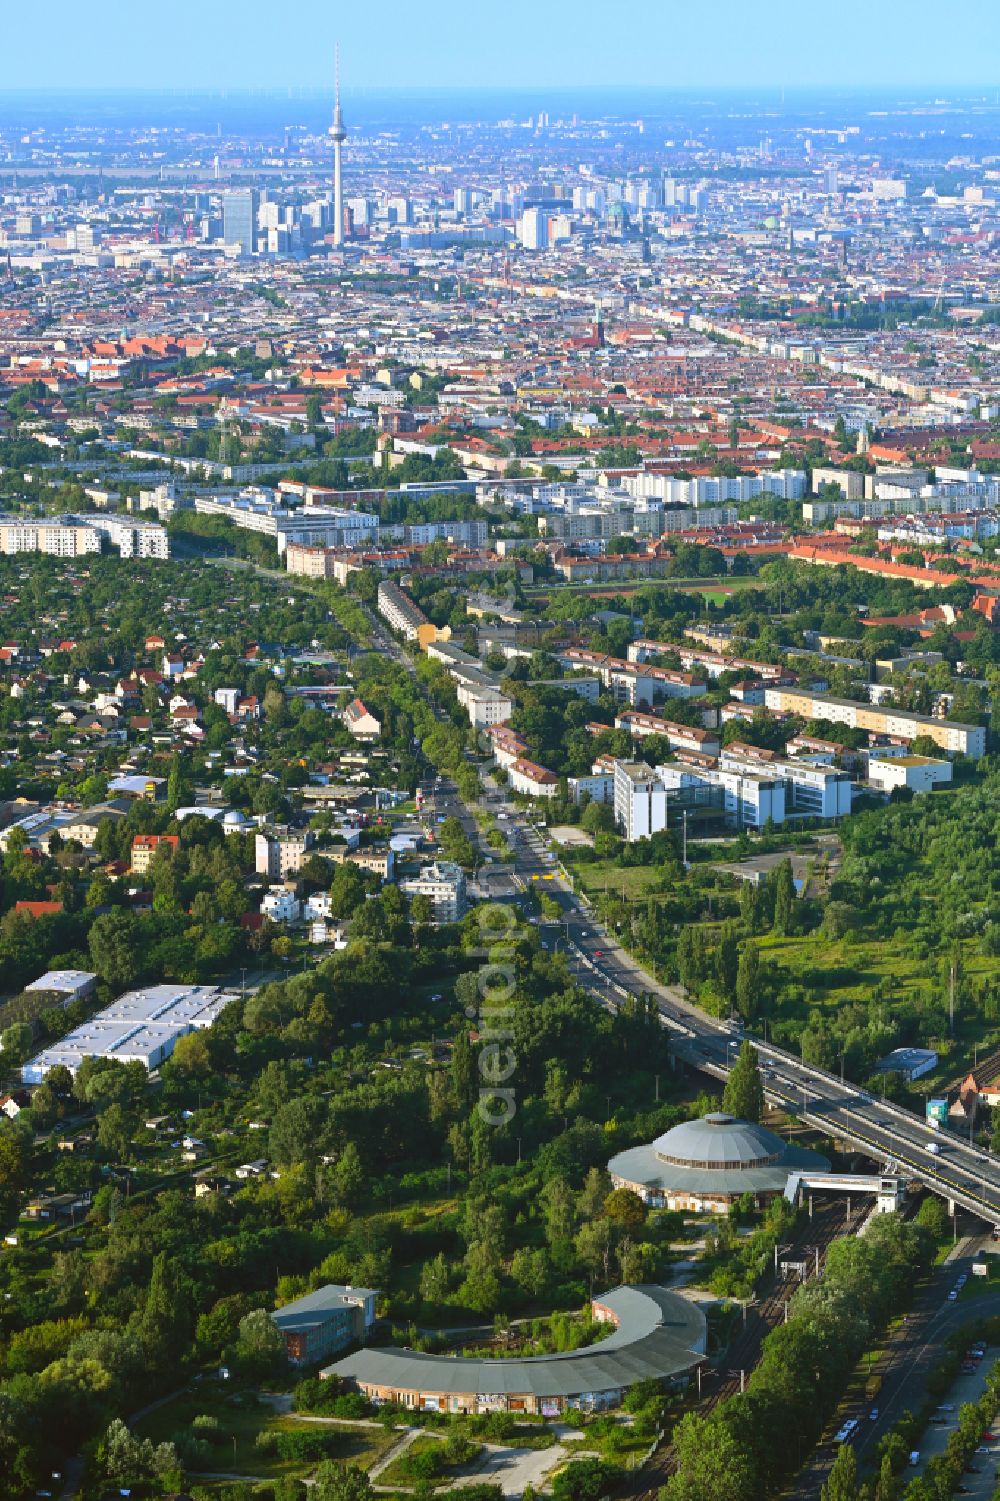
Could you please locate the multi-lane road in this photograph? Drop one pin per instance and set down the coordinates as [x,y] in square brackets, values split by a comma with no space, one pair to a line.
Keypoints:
[962,1173]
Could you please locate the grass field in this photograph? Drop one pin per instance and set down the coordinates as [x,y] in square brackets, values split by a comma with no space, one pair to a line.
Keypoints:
[635,882]
[831,973]
[242,1418]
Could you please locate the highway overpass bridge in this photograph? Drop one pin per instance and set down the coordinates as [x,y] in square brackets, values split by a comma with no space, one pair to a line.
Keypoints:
[960,1172]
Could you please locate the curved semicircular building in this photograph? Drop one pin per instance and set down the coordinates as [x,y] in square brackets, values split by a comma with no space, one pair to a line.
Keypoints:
[658,1334]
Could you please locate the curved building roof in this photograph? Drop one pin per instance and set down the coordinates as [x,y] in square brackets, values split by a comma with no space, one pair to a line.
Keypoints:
[659,1334]
[717,1154]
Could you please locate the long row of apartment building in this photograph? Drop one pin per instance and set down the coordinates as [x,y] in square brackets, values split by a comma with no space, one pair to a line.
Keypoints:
[70,536]
[954,738]
[627,681]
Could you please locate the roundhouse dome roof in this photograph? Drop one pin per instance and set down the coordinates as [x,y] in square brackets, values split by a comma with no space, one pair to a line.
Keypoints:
[717,1155]
[719,1141]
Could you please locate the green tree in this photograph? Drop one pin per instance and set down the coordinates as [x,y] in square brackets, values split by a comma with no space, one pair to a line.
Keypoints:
[116,1131]
[624,1207]
[15,1044]
[163,1325]
[260,1347]
[463,1070]
[297,1131]
[713,1463]
[842,1481]
[748,983]
[340,1482]
[727,962]
[435,1279]
[743,1095]
[784,898]
[115,948]
[347,1178]
[886,1486]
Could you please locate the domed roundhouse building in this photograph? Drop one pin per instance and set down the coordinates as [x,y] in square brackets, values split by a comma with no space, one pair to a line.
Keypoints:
[706,1165]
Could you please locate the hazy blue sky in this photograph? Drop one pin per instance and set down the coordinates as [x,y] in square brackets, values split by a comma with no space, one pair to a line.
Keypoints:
[463,43]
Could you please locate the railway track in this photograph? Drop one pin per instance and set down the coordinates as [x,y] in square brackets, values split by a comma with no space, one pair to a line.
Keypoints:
[734,1366]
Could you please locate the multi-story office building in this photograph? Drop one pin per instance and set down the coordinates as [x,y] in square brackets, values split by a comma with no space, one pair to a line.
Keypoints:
[317,526]
[533,230]
[811,791]
[239,219]
[640,800]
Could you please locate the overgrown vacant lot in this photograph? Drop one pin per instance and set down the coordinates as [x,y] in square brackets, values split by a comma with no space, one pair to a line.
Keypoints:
[235,1444]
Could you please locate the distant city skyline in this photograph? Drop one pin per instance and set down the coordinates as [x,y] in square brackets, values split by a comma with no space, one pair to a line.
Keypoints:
[559,43]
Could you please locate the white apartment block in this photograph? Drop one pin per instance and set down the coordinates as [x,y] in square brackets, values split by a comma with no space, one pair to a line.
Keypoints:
[625,680]
[70,536]
[786,484]
[599,787]
[280,905]
[507,746]
[484,706]
[680,737]
[444,884]
[59,537]
[278,855]
[133,537]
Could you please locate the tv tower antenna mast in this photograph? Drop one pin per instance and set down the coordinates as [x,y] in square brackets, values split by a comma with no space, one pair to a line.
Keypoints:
[338,134]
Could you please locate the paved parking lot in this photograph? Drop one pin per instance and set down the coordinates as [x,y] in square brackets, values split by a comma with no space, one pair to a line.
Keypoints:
[512,1469]
[967,1387]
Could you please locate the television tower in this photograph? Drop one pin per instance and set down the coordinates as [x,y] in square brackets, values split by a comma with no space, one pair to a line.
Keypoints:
[339,136]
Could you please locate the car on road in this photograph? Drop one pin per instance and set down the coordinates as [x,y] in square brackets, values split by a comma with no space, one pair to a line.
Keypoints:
[934,1147]
[952,1296]
[598,953]
[873,1415]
